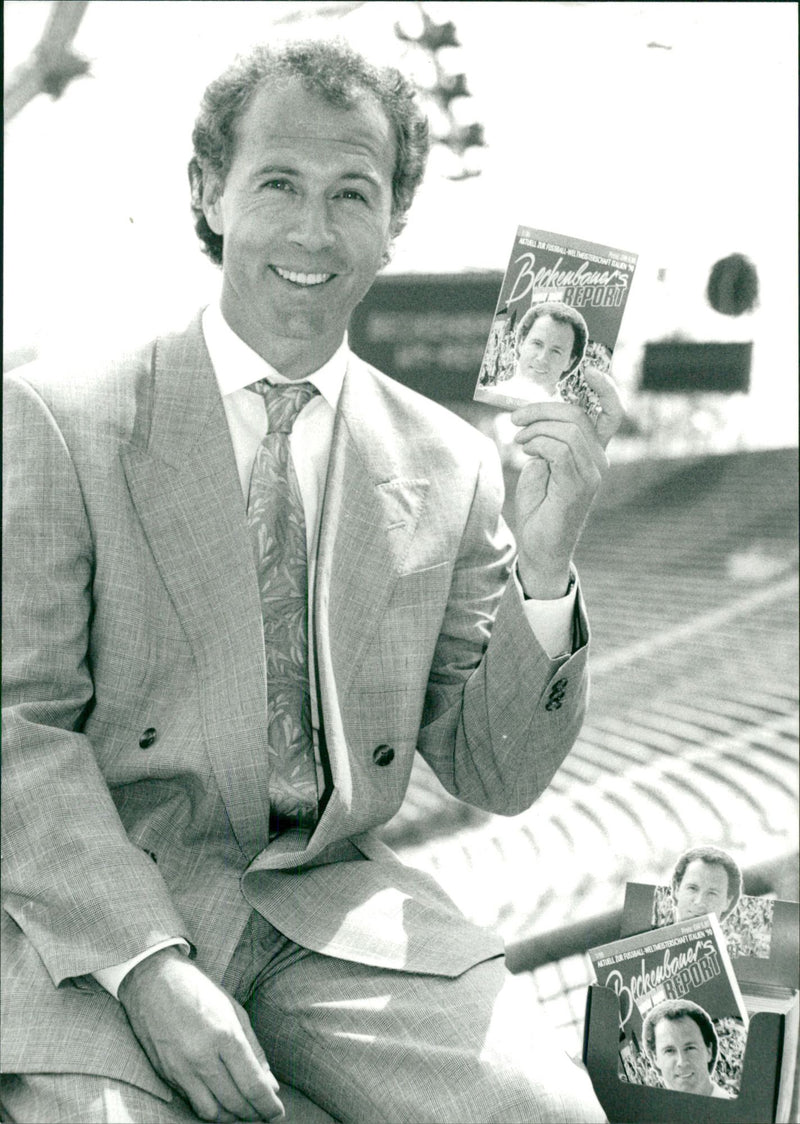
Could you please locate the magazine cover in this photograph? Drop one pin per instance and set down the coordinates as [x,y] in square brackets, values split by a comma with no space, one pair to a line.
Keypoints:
[761,932]
[747,928]
[682,1018]
[559,311]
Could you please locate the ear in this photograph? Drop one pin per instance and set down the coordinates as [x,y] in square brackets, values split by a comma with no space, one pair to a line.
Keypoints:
[388,245]
[212,204]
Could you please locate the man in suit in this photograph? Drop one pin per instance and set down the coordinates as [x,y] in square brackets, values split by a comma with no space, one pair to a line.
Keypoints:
[180,917]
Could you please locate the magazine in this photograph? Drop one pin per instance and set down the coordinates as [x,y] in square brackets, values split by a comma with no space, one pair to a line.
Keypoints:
[682,1019]
[747,928]
[558,314]
[761,932]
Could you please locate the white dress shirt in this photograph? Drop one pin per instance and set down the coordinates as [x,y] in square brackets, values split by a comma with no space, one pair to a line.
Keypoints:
[236,366]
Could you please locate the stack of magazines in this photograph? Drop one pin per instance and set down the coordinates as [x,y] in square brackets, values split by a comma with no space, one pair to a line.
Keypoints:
[690,987]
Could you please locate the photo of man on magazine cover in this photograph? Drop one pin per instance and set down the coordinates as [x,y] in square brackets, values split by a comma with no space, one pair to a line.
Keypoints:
[682,1044]
[708,879]
[549,344]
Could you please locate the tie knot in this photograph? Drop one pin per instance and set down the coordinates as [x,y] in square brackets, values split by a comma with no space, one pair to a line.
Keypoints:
[284,401]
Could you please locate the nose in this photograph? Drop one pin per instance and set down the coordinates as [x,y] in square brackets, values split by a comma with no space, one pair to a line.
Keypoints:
[311,226]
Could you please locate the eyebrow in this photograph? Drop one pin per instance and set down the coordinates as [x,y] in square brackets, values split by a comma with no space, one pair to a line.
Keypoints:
[287,170]
[276,169]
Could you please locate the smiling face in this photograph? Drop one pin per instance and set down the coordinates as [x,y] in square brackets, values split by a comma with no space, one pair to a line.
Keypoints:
[703,889]
[682,1056]
[546,353]
[305,213]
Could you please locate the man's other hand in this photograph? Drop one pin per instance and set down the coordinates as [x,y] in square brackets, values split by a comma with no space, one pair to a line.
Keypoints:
[559,482]
[199,1039]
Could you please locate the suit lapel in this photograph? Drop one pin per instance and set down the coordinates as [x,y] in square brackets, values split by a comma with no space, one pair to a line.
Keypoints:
[182,476]
[370,512]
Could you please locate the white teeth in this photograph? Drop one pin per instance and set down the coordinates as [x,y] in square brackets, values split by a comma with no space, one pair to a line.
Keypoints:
[302,278]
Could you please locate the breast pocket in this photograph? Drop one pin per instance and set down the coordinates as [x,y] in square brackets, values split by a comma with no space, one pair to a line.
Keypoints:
[425,588]
[401,649]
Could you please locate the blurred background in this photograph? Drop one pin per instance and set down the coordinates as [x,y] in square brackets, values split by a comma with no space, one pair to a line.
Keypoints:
[664,129]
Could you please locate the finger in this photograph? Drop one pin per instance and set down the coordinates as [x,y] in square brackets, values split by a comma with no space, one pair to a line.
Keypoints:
[255,1045]
[229,1096]
[560,414]
[249,1101]
[558,455]
[579,436]
[537,474]
[547,411]
[612,411]
[571,467]
[252,1076]
[203,1102]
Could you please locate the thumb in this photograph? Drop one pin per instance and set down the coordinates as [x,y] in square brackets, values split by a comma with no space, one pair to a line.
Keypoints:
[535,473]
[612,411]
[532,485]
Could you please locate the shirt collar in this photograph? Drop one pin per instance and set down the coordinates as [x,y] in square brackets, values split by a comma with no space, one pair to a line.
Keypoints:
[236,365]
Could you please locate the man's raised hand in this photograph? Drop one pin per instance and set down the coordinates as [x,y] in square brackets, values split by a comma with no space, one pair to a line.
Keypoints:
[559,482]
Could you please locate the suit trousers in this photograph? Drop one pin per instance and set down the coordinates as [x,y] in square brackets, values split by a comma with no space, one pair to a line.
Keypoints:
[368,1045]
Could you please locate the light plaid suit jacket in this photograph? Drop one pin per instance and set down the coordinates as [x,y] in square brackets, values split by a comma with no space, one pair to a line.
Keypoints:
[135,788]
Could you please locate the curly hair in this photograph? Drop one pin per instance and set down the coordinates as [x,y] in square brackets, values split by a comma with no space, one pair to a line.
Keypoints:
[333,71]
[562,314]
[680,1009]
[714,856]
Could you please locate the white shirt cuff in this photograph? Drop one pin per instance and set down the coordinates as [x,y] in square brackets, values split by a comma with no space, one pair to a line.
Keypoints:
[112,977]
[550,621]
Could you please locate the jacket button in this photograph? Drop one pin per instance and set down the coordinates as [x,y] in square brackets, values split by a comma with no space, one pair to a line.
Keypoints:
[383,754]
[148,737]
[560,684]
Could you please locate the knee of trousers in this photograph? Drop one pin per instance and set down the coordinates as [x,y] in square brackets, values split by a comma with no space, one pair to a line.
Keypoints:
[519,1096]
[498,1092]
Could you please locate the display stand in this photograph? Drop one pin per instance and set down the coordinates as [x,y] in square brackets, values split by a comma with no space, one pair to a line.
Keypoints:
[758,1095]
[768,1070]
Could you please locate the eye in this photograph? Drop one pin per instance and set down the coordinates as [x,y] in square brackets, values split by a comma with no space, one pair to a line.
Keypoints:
[351,193]
[278,185]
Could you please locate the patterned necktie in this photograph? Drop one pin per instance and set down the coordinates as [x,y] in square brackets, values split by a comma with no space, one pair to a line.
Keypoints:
[277,526]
